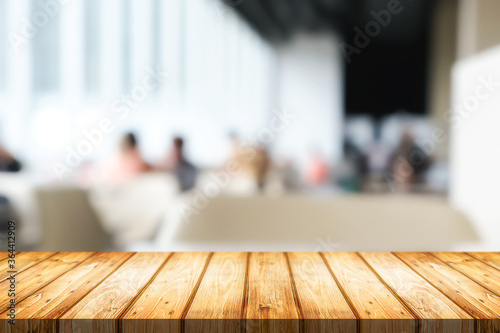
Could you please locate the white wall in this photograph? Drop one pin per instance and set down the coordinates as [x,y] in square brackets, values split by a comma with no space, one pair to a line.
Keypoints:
[475,154]
[310,85]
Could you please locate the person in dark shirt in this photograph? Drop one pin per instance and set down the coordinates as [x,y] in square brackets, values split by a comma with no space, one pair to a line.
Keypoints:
[185,171]
[7,162]
[409,162]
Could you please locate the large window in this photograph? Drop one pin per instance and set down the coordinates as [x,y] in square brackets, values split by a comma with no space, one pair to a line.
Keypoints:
[91,53]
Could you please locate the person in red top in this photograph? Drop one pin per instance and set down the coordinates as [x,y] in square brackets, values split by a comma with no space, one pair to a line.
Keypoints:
[317,171]
[127,163]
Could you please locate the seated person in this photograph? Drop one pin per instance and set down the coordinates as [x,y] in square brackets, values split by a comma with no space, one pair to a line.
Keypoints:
[127,163]
[317,172]
[409,162]
[254,162]
[7,162]
[178,164]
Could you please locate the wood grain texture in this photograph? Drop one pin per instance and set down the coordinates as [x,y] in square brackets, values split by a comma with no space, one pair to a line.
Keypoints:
[322,304]
[482,273]
[61,294]
[475,299]
[271,305]
[490,258]
[437,313]
[112,297]
[255,292]
[161,305]
[219,296]
[378,309]
[23,261]
[38,276]
[478,271]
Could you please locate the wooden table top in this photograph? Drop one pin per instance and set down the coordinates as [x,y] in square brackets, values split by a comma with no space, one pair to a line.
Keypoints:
[252,292]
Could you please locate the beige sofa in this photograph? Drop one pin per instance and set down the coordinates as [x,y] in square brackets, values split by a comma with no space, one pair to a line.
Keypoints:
[68,222]
[52,218]
[107,217]
[305,223]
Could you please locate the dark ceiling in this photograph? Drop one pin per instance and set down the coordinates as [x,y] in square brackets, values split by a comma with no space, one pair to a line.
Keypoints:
[387,76]
[279,19]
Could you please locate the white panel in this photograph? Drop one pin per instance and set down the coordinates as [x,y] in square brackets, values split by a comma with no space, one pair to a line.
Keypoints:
[475,157]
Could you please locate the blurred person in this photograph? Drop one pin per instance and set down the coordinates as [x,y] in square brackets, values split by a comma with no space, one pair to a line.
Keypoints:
[353,169]
[127,162]
[7,162]
[289,175]
[260,166]
[378,157]
[409,162]
[178,164]
[253,161]
[317,170]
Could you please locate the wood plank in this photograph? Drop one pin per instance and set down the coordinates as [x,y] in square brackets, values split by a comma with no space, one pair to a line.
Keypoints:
[478,271]
[322,304]
[218,303]
[490,258]
[38,276]
[256,292]
[54,299]
[378,309]
[167,296]
[23,261]
[4,255]
[271,306]
[476,300]
[437,312]
[112,297]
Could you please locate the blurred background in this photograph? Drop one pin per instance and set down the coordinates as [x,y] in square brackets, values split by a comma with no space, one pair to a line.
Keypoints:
[250,125]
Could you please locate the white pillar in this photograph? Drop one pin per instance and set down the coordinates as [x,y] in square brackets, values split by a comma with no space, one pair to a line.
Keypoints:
[72,48]
[171,44]
[310,86]
[141,39]
[111,48]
